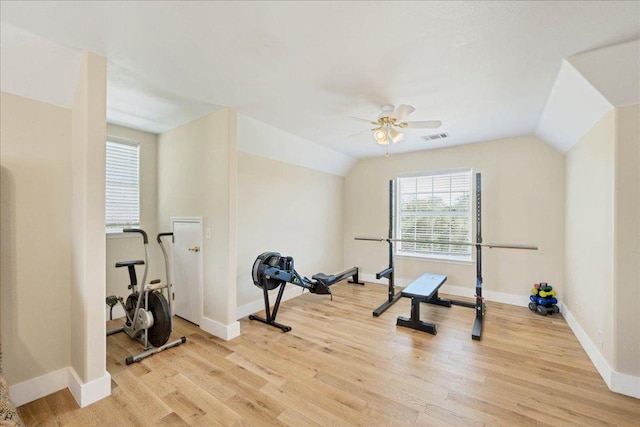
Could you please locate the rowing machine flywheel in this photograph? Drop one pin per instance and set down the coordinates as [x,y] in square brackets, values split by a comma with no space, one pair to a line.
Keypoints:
[264,261]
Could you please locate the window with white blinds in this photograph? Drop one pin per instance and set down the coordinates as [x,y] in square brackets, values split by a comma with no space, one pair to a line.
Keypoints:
[436,208]
[122,186]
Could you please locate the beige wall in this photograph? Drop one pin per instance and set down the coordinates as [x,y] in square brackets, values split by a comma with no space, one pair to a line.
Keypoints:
[589,232]
[35,237]
[52,239]
[627,242]
[121,248]
[288,209]
[522,202]
[88,151]
[194,180]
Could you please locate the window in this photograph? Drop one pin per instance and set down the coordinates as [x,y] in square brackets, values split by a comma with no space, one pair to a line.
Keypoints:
[122,186]
[435,207]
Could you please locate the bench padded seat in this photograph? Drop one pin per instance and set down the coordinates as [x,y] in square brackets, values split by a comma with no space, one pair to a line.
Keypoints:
[425,286]
[423,289]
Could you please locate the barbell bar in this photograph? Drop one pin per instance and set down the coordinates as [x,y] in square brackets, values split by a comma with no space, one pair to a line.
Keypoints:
[488,245]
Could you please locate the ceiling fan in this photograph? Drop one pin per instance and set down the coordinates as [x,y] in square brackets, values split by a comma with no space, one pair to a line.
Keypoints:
[391,119]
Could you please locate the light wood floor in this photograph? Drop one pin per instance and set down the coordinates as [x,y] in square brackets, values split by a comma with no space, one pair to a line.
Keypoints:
[341,366]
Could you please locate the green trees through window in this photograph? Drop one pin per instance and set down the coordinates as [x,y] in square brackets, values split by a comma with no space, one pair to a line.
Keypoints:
[436,208]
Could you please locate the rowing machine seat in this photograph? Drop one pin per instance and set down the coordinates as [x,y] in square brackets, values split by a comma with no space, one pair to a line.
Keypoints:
[324,278]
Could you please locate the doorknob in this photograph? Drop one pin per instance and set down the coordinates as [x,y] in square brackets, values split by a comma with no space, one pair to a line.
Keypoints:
[195,249]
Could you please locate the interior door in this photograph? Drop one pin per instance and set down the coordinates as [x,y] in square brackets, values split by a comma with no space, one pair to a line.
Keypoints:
[187,269]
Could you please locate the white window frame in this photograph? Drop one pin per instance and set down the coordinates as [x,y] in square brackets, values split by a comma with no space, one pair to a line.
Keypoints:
[115,230]
[401,248]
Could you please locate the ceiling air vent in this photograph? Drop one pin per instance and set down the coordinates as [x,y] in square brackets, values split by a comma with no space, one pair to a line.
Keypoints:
[435,136]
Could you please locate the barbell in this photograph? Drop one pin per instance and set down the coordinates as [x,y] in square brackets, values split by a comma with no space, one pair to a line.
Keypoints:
[488,245]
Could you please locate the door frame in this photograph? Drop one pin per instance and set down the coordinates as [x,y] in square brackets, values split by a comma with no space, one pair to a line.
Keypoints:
[194,220]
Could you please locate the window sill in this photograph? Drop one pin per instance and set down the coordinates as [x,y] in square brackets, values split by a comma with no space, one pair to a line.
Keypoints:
[440,260]
[120,235]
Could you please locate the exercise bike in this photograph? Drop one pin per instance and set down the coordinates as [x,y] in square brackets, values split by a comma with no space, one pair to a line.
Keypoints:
[149,313]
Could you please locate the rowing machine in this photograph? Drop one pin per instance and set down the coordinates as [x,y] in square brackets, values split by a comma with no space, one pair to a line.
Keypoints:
[272,270]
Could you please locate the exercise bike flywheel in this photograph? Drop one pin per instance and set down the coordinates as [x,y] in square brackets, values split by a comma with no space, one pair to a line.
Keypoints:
[159,309]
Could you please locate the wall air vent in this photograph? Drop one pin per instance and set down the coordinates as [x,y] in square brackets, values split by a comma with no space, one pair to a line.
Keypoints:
[435,136]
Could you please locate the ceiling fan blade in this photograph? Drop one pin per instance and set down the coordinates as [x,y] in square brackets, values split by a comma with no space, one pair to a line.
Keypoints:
[353,135]
[401,112]
[363,120]
[428,124]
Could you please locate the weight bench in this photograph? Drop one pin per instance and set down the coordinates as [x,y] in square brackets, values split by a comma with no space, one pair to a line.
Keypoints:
[424,289]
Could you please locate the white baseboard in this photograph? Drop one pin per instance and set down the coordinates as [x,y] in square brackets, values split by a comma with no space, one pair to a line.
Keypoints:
[589,347]
[88,393]
[258,305]
[226,332]
[39,387]
[44,385]
[618,382]
[625,384]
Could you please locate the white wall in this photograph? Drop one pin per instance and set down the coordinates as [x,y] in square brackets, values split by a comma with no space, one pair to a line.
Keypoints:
[196,177]
[288,209]
[522,202]
[589,232]
[35,237]
[122,247]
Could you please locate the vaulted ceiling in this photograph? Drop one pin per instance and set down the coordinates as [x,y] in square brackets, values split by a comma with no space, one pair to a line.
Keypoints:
[485,69]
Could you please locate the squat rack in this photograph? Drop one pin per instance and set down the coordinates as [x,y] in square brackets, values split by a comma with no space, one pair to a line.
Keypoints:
[478,306]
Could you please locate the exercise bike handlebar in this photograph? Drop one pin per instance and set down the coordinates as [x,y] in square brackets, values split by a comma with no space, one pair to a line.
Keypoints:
[137,230]
[167,271]
[159,238]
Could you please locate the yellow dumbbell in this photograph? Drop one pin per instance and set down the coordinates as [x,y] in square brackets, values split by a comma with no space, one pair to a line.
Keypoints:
[545,294]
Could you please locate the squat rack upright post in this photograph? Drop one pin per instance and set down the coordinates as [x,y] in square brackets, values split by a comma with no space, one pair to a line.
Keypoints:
[388,273]
[480,307]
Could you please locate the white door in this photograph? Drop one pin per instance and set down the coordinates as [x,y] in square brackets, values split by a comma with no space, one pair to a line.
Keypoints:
[187,269]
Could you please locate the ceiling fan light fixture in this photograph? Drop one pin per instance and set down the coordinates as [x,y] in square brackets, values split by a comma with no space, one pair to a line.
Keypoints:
[388,127]
[380,136]
[395,135]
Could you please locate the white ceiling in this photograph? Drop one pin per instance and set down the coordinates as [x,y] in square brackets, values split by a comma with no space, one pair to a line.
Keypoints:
[486,69]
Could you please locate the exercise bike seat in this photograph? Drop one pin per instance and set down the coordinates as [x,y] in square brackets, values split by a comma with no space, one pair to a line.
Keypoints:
[324,278]
[129,263]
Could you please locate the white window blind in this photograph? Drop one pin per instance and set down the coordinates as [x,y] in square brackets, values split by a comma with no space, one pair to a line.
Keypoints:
[437,208]
[122,186]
